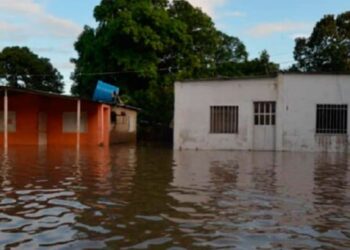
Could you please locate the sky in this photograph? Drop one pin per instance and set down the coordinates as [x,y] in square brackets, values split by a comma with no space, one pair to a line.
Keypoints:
[50,27]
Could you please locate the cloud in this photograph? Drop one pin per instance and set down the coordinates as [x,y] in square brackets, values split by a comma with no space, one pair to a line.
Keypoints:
[7,27]
[9,31]
[32,19]
[208,6]
[29,23]
[268,29]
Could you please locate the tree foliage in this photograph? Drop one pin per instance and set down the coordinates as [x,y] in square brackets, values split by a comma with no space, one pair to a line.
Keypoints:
[143,46]
[20,67]
[260,66]
[328,47]
[134,40]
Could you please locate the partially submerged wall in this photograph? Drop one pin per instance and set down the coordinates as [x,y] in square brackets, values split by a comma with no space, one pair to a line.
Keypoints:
[297,98]
[123,128]
[36,119]
[192,111]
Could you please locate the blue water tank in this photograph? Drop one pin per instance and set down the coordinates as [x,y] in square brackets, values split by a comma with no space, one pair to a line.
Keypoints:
[105,92]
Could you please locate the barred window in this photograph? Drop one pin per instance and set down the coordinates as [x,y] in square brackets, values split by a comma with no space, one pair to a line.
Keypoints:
[264,113]
[224,119]
[331,118]
[11,122]
[69,120]
[122,118]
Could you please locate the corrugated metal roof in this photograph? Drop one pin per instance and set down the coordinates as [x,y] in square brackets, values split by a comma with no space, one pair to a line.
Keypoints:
[42,93]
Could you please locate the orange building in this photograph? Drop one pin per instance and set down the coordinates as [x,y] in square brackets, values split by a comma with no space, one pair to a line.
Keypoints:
[40,118]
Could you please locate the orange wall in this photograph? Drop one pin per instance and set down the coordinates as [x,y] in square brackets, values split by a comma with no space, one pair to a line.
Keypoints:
[28,106]
[26,122]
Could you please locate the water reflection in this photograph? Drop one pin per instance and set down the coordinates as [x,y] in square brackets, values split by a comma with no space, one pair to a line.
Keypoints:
[130,197]
[266,200]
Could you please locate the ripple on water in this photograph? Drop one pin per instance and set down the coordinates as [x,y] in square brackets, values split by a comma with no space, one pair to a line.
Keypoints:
[149,218]
[152,197]
[68,204]
[53,211]
[147,244]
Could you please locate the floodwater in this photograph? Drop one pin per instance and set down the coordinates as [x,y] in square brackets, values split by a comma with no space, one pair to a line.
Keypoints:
[151,197]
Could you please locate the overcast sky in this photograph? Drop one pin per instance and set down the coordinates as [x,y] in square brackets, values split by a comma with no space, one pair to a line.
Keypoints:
[50,27]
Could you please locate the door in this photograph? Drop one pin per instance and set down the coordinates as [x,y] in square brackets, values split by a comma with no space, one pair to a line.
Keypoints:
[264,125]
[42,128]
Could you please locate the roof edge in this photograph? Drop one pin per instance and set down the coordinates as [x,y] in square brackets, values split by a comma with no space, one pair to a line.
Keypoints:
[315,73]
[262,77]
[272,76]
[129,107]
[49,94]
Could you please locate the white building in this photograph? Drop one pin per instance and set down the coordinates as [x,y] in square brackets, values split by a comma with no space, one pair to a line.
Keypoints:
[290,112]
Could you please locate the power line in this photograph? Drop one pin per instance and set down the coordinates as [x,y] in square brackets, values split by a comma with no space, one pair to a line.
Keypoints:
[91,73]
[122,72]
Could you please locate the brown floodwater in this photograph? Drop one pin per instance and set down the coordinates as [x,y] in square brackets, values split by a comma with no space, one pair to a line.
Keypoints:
[151,197]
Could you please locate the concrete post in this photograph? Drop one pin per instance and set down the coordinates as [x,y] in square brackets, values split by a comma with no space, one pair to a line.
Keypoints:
[78,123]
[102,125]
[5,119]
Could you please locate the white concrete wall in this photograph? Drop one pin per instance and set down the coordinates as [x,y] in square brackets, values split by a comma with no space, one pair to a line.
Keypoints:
[298,96]
[192,111]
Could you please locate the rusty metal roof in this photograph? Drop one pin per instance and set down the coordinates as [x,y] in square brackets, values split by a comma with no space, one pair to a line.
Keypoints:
[57,95]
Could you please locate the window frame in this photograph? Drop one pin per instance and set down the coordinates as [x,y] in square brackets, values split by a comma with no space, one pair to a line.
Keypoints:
[11,122]
[264,113]
[72,117]
[224,119]
[325,128]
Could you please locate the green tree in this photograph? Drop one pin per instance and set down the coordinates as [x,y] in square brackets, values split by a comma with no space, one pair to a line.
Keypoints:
[260,66]
[144,46]
[230,49]
[198,53]
[20,67]
[328,47]
[133,41]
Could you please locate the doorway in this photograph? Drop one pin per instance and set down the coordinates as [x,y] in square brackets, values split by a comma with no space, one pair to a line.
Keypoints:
[42,128]
[264,125]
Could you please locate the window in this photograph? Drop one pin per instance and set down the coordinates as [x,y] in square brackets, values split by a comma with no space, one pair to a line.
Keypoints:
[331,118]
[224,119]
[122,118]
[265,113]
[11,121]
[70,122]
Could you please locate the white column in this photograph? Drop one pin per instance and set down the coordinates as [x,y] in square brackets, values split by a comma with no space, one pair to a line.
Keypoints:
[5,119]
[102,125]
[78,123]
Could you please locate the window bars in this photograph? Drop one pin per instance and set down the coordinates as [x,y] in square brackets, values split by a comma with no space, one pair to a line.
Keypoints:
[331,118]
[264,113]
[224,119]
